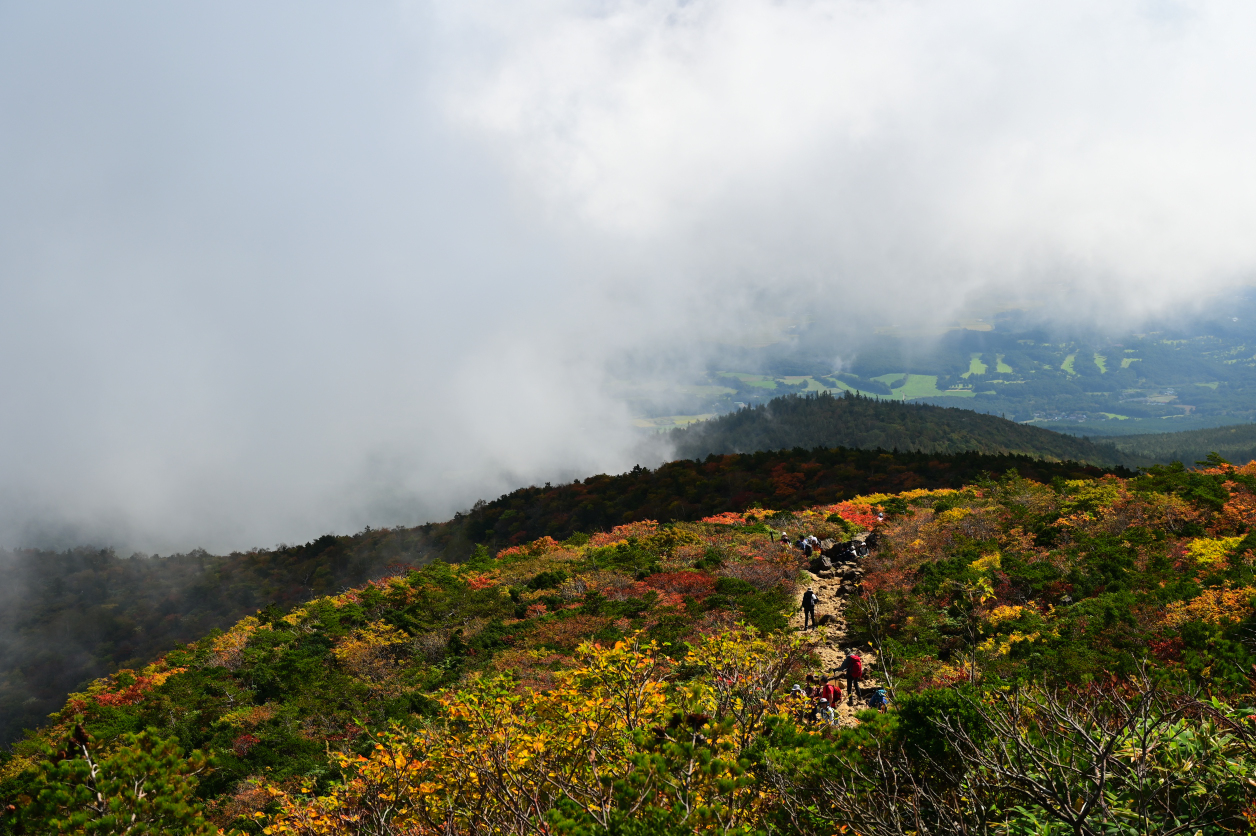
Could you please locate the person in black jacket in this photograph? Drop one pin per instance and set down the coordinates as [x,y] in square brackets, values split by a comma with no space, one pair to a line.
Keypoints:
[809,601]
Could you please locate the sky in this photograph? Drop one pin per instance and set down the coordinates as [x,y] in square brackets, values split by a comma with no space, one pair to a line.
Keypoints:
[269,271]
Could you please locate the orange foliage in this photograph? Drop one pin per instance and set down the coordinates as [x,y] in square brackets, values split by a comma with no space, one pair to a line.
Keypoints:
[1212,606]
[858,513]
[136,690]
[545,545]
[689,582]
[643,528]
[480,582]
[726,518]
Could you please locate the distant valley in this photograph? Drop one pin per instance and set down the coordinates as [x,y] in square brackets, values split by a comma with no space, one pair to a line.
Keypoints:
[1196,374]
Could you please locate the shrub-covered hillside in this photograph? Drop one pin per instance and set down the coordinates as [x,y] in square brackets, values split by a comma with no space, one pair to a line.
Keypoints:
[1073,657]
[822,420]
[69,617]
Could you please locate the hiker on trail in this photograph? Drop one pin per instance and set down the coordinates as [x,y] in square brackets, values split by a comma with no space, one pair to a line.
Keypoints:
[853,667]
[813,694]
[824,712]
[809,601]
[800,696]
[784,539]
[831,691]
[806,548]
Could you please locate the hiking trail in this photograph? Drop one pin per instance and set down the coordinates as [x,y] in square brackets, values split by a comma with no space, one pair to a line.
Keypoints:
[830,637]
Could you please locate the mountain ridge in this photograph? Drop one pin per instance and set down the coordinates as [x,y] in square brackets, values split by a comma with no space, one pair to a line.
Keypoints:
[855,421]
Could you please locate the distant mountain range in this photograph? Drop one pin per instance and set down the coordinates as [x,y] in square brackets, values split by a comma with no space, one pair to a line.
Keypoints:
[823,420]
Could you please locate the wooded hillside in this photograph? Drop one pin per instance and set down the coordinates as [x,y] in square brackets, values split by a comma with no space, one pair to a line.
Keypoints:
[823,420]
[1236,443]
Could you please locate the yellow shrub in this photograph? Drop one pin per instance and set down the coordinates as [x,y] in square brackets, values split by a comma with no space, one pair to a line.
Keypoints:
[987,562]
[1000,614]
[229,646]
[1210,552]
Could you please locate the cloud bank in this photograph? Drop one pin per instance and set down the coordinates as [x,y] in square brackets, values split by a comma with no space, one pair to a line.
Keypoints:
[270,272]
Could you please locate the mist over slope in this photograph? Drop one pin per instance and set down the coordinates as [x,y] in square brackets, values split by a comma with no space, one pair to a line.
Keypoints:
[823,420]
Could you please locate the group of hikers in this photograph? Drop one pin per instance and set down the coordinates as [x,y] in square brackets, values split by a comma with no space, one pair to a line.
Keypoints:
[825,692]
[807,543]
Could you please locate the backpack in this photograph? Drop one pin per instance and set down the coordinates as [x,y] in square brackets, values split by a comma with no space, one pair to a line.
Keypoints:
[856,666]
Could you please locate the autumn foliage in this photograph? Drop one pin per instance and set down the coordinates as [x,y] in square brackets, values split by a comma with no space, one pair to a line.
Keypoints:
[639,677]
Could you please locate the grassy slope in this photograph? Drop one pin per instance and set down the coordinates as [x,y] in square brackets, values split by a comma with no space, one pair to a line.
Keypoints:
[825,421]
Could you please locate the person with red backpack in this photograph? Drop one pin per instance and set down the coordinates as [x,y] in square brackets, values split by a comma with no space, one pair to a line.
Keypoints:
[830,690]
[853,666]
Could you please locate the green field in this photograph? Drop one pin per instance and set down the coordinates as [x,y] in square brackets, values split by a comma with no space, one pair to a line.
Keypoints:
[926,386]
[669,422]
[846,387]
[809,384]
[1067,365]
[756,380]
[1101,362]
[1000,366]
[976,367]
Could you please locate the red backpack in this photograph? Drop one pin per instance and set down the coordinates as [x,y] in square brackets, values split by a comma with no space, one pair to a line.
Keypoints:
[856,667]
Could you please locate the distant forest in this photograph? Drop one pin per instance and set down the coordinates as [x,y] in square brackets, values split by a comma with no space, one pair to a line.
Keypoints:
[1236,444]
[822,420]
[69,617]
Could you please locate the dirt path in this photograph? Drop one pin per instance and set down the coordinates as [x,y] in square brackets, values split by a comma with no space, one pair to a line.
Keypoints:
[831,638]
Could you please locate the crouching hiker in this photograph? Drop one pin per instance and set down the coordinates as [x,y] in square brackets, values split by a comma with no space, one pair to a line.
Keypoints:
[852,665]
[813,695]
[799,697]
[809,601]
[830,690]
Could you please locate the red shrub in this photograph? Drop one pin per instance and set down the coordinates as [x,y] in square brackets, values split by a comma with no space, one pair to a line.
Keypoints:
[762,574]
[242,744]
[688,582]
[480,582]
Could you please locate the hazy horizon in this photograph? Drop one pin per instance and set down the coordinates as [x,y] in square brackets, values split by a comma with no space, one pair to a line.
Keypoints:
[269,272]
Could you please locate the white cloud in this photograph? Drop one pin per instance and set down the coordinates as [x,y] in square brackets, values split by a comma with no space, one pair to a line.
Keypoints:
[268,271]
[921,146]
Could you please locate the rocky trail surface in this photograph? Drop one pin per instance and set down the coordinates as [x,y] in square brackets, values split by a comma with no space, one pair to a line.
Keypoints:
[834,590]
